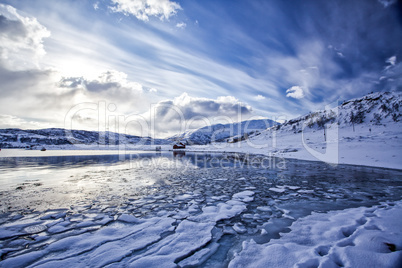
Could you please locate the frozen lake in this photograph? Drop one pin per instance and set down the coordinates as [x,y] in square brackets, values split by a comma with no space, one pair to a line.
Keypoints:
[100,208]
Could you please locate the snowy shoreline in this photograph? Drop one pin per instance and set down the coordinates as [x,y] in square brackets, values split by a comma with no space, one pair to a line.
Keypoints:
[383,148]
[259,155]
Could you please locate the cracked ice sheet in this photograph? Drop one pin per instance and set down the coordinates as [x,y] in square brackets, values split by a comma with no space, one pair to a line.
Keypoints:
[89,248]
[136,242]
[356,237]
[192,235]
[187,239]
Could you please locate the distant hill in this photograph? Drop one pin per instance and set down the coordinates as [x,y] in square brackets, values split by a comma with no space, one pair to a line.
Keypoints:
[18,138]
[224,132]
[62,138]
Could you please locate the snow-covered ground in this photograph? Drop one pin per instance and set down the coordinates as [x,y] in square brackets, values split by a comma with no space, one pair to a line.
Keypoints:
[382,147]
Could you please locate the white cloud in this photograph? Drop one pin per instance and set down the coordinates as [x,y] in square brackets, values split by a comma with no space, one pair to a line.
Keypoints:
[21,39]
[47,98]
[185,112]
[181,25]
[391,60]
[391,78]
[112,86]
[193,106]
[143,9]
[260,97]
[10,121]
[295,92]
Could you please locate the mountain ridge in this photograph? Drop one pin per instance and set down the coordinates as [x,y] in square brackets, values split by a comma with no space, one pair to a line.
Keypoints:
[223,132]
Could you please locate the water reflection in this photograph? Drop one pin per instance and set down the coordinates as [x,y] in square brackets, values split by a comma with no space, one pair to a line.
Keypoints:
[179,154]
[195,159]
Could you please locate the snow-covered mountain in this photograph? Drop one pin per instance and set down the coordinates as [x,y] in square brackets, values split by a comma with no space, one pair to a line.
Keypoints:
[224,132]
[366,122]
[18,138]
[371,110]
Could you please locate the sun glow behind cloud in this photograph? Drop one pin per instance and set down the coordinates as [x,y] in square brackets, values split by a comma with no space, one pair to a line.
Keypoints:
[74,67]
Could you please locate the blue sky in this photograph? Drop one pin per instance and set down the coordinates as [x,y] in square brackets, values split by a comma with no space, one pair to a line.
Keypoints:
[214,61]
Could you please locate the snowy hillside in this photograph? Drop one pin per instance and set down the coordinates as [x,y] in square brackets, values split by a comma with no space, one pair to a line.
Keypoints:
[61,138]
[374,109]
[224,133]
[364,131]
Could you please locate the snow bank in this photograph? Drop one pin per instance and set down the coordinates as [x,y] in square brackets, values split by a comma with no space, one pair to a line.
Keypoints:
[356,237]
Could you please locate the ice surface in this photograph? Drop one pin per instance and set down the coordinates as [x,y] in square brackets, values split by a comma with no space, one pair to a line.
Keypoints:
[245,196]
[208,217]
[128,218]
[188,237]
[277,190]
[239,228]
[226,210]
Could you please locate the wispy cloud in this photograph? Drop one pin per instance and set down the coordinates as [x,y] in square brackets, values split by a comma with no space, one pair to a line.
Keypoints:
[387,3]
[181,25]
[96,5]
[391,60]
[391,76]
